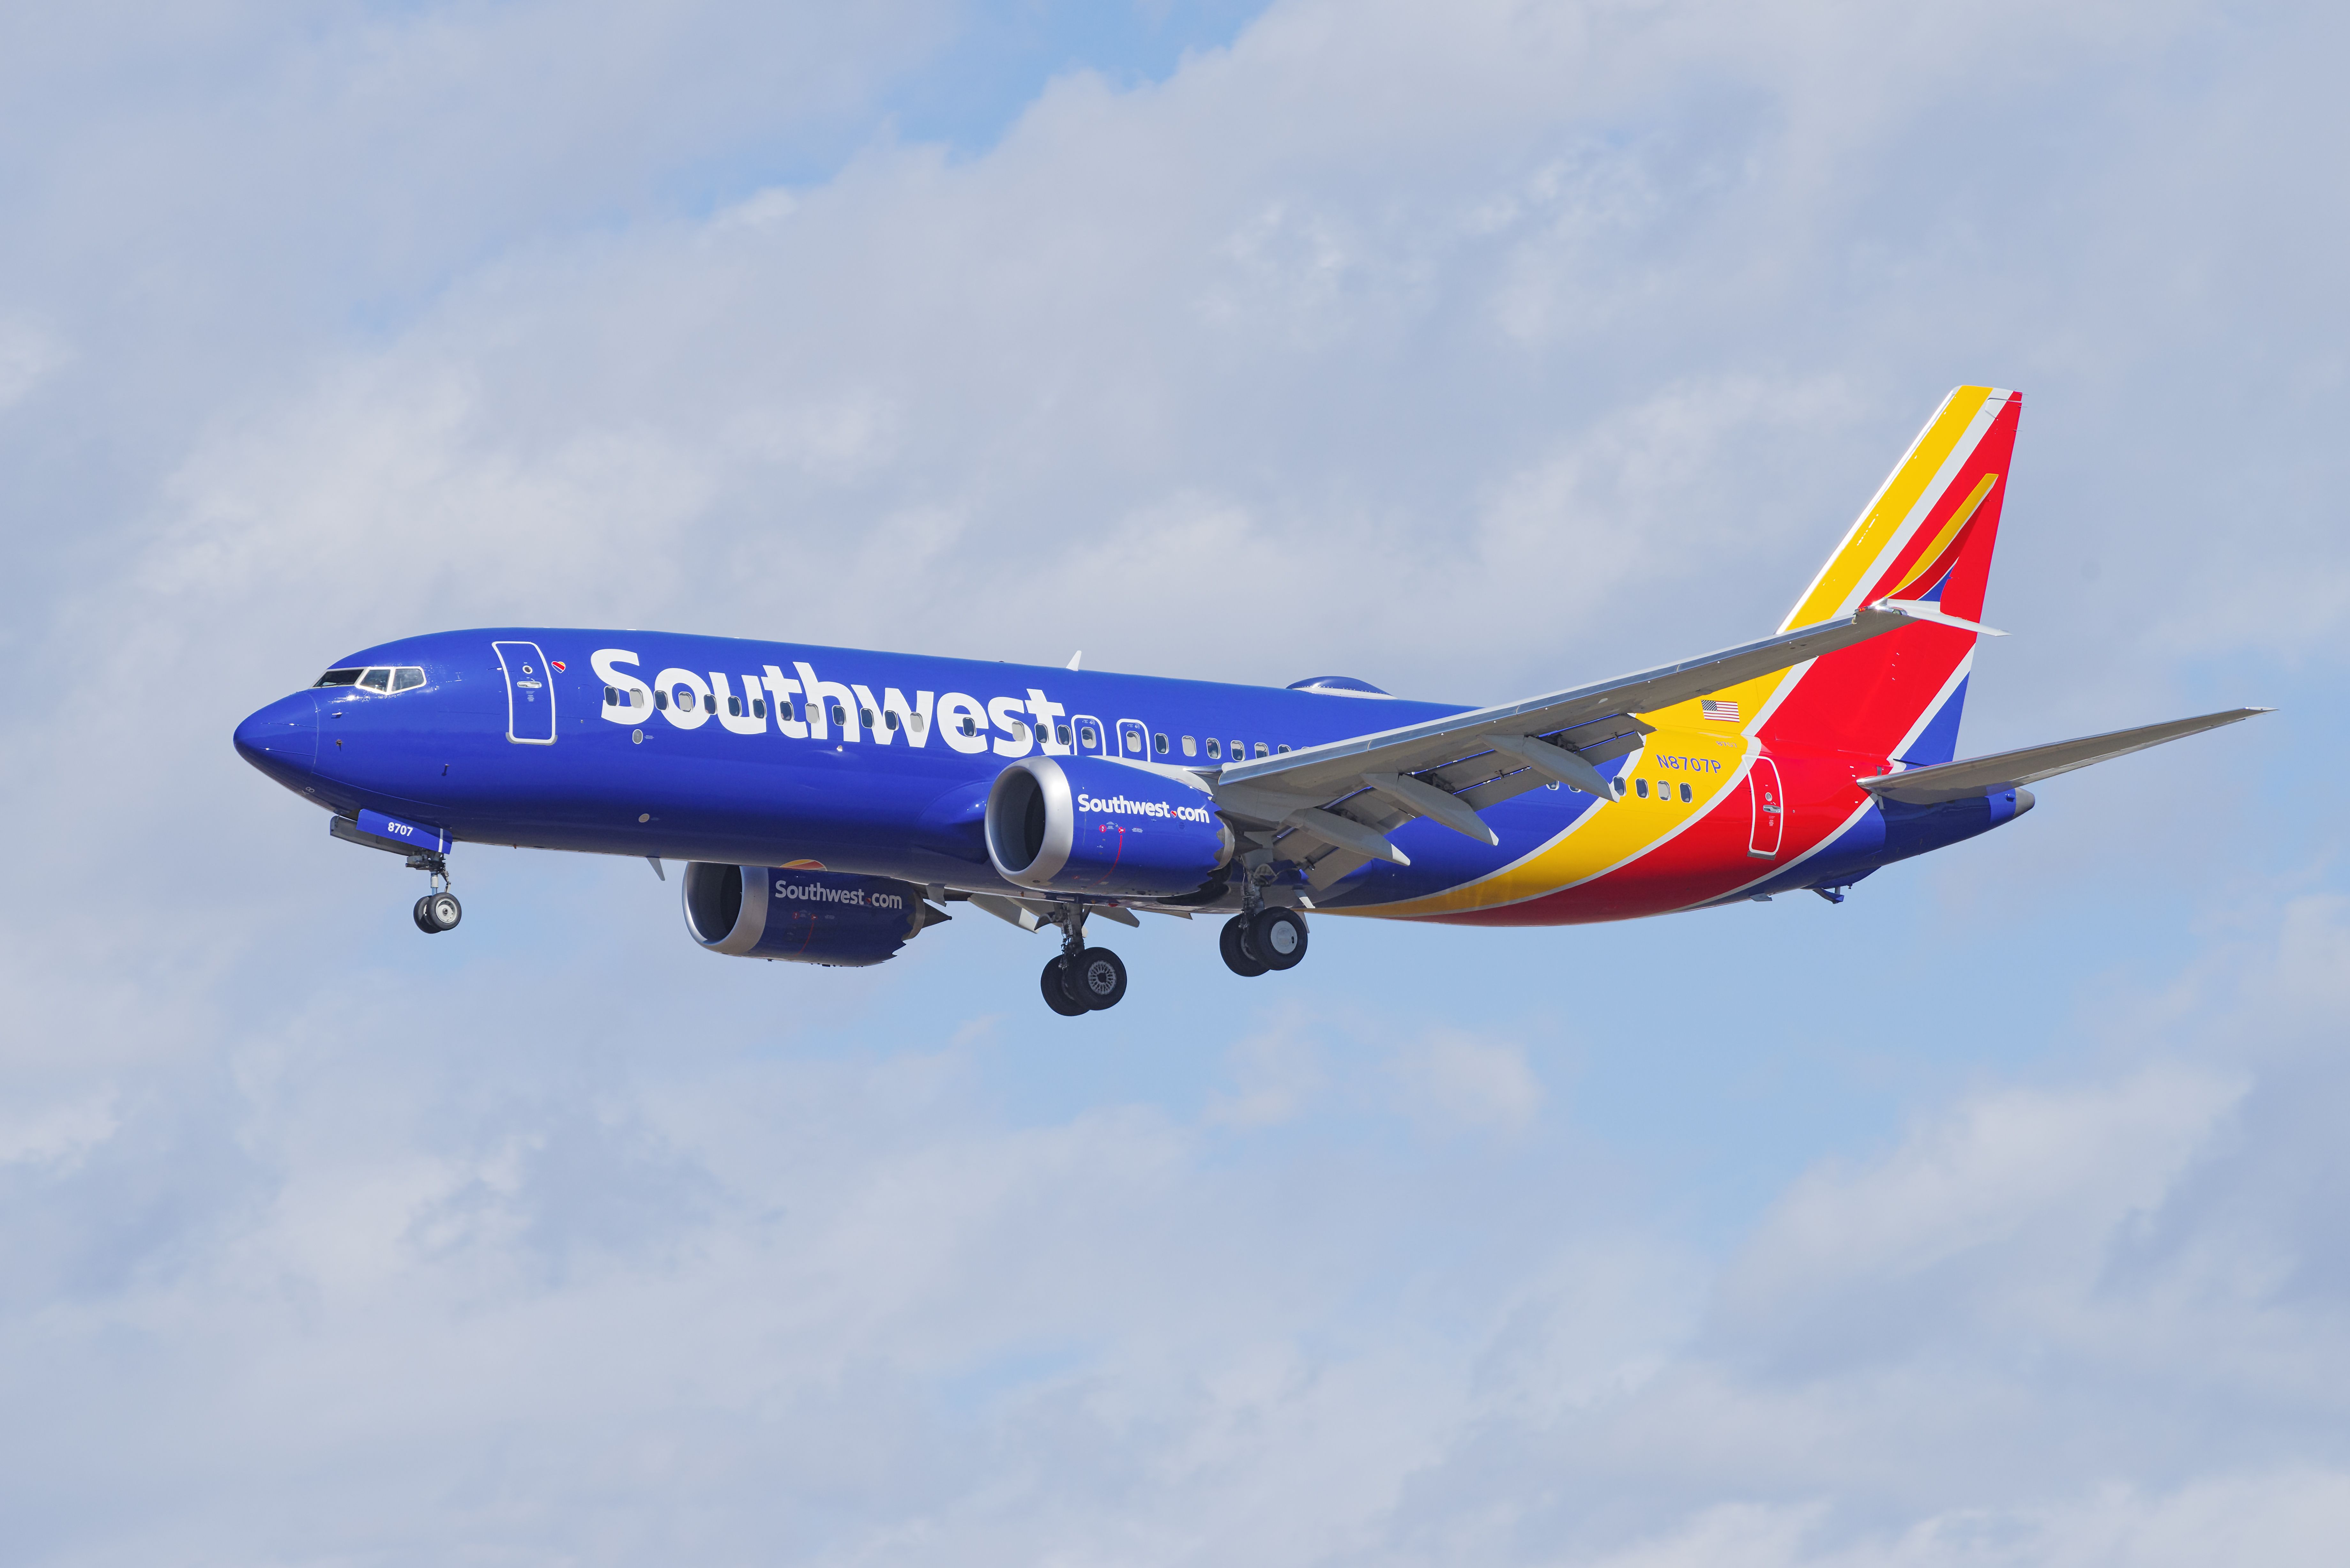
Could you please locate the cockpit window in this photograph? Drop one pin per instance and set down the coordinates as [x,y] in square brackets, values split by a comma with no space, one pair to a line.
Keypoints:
[376,681]
[340,678]
[406,677]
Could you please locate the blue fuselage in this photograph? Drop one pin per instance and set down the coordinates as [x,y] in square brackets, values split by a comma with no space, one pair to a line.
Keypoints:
[775,753]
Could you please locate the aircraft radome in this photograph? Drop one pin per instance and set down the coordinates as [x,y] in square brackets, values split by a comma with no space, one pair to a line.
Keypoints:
[828,801]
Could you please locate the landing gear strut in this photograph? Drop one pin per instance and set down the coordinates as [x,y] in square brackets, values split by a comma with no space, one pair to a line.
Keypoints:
[438,910]
[1082,979]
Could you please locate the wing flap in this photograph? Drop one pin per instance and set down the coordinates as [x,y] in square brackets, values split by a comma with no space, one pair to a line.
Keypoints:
[1975,776]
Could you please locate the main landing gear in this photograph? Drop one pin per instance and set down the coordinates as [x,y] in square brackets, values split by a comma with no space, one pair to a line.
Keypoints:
[1082,980]
[438,910]
[1267,939]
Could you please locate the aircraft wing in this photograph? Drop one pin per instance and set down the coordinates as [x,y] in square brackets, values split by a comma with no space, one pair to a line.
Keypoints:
[1345,795]
[2009,770]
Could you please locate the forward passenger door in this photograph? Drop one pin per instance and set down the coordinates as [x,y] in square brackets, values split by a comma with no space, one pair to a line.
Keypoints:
[530,695]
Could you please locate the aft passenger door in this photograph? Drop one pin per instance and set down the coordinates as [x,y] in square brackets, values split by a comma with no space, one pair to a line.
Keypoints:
[530,695]
[1770,806]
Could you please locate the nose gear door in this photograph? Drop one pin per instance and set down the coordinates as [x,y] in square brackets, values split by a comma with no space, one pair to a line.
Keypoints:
[1770,804]
[530,694]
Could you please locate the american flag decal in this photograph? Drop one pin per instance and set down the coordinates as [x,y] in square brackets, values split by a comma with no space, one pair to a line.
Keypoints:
[1716,709]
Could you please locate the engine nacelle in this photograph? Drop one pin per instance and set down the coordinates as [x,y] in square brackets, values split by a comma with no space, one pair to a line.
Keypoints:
[1083,824]
[801,916]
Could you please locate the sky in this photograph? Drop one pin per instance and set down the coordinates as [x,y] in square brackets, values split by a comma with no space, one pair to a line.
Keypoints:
[1474,349]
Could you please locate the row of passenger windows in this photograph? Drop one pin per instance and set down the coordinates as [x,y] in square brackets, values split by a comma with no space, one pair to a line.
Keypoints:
[377,677]
[1131,741]
[1664,790]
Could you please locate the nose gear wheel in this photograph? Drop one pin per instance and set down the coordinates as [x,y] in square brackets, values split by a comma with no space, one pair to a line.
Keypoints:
[438,912]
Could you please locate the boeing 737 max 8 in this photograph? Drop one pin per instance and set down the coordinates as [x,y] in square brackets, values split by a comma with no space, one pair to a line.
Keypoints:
[828,803]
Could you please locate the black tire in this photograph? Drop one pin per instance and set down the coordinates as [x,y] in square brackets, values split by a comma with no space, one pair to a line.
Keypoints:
[1231,942]
[1056,986]
[1100,979]
[444,911]
[424,917]
[1277,936]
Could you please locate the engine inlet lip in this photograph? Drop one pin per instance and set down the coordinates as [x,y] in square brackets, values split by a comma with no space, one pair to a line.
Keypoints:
[1007,802]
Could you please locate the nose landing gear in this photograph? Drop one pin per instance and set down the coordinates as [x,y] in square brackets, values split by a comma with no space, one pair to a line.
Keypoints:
[438,910]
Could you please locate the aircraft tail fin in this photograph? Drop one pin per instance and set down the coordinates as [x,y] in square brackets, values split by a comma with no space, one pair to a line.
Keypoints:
[1927,537]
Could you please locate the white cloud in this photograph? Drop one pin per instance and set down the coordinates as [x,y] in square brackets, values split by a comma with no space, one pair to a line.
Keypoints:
[29,355]
[1278,1073]
[1456,1083]
[57,1135]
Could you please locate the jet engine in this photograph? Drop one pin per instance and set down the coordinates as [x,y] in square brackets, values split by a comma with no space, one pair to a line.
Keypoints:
[802,917]
[1084,825]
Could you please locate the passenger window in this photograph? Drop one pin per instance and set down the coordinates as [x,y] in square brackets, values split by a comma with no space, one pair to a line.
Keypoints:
[968,727]
[612,698]
[1215,749]
[407,677]
[685,698]
[889,717]
[1686,796]
[661,700]
[1190,747]
[1283,750]
[917,722]
[865,717]
[1260,748]
[1134,741]
[1061,734]
[1641,787]
[734,707]
[758,707]
[1620,789]
[839,714]
[1240,751]
[376,681]
[340,678]
[1159,744]
[1085,734]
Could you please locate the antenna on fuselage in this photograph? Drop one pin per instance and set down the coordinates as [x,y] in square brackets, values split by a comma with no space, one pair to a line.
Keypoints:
[1075,656]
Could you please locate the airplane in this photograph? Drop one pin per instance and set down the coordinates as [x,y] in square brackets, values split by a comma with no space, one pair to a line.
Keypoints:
[829,803]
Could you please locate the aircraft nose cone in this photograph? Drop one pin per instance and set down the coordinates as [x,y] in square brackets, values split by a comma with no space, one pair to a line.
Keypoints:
[282,740]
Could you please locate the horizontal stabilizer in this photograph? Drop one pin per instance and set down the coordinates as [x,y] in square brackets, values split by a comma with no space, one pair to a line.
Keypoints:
[1987,776]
